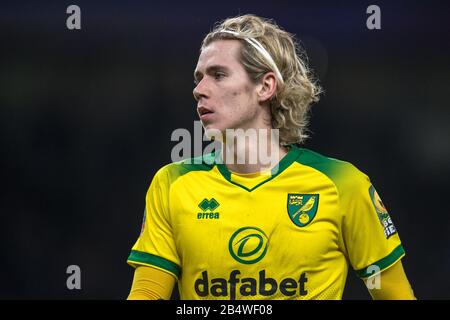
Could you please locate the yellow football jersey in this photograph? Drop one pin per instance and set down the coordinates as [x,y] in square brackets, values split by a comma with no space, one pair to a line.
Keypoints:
[287,234]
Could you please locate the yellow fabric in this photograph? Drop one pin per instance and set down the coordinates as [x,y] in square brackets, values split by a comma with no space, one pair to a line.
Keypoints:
[394,285]
[151,284]
[248,243]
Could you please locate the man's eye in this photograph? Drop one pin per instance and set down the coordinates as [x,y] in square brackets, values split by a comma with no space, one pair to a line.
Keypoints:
[219,75]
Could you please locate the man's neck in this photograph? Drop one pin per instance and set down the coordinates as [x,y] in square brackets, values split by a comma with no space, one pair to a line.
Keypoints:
[252,156]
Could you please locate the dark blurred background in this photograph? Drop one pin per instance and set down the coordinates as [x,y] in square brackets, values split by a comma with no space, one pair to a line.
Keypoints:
[86,118]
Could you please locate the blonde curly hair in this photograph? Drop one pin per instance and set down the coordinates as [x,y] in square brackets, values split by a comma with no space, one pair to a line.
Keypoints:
[297,89]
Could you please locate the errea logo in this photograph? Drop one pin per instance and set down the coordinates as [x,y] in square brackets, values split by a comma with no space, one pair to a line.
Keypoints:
[208,207]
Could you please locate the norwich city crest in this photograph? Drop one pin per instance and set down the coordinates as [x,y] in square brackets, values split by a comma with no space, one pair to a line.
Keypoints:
[302,208]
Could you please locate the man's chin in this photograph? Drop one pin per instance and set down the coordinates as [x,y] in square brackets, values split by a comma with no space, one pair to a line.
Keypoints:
[213,133]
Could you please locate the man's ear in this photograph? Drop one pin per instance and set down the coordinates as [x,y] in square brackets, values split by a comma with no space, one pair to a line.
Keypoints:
[267,87]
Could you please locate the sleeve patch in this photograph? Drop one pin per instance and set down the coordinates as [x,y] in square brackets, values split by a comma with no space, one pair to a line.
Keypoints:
[383,215]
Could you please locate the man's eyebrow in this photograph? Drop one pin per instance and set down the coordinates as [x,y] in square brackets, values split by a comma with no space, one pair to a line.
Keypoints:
[209,70]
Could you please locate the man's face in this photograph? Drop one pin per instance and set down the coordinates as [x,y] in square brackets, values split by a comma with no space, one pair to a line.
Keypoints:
[226,97]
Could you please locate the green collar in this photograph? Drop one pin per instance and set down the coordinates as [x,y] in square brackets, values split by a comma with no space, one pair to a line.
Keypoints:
[285,162]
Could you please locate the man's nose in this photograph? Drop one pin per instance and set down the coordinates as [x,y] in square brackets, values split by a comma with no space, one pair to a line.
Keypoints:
[200,90]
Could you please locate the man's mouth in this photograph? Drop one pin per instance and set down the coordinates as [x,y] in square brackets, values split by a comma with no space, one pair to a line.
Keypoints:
[206,114]
[203,111]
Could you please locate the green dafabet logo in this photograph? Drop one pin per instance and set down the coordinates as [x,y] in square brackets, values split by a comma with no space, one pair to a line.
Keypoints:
[302,208]
[248,245]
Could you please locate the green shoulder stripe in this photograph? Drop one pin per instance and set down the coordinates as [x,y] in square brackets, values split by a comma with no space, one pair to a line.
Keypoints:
[180,168]
[384,263]
[342,173]
[150,259]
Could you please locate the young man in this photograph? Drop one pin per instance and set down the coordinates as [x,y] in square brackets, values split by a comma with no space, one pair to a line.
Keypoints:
[282,229]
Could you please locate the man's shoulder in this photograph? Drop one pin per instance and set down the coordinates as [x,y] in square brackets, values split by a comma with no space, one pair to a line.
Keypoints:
[172,171]
[321,162]
[342,173]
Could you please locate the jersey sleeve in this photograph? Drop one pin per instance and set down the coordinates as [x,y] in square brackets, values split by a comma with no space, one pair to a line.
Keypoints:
[371,239]
[155,246]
